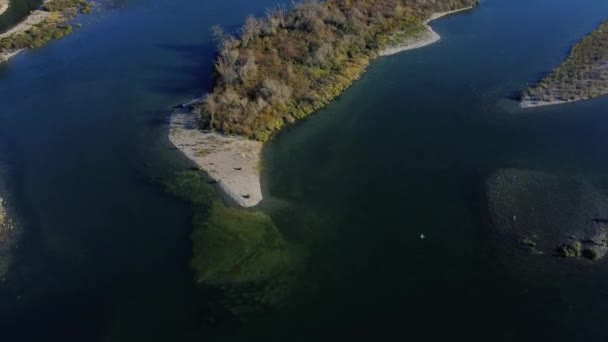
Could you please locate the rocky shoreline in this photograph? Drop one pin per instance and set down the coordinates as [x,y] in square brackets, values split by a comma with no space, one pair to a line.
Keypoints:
[538,103]
[41,26]
[582,76]
[7,232]
[232,162]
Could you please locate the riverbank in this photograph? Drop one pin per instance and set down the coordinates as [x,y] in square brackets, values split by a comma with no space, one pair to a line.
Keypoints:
[583,76]
[41,26]
[417,38]
[537,103]
[232,162]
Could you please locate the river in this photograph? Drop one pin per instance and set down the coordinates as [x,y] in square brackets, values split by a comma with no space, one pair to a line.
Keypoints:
[104,252]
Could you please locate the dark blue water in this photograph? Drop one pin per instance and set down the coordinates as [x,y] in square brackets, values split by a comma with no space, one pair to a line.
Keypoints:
[405,151]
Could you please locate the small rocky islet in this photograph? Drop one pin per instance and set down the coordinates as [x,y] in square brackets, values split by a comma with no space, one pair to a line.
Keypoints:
[542,217]
[42,25]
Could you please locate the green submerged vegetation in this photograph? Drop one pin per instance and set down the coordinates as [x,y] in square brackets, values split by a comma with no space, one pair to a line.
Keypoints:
[584,75]
[292,62]
[238,251]
[53,27]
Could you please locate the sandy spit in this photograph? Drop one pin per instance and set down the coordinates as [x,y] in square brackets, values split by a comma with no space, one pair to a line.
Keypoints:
[232,161]
[535,103]
[426,38]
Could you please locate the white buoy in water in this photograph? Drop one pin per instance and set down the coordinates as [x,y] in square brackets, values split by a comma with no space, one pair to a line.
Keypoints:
[422,236]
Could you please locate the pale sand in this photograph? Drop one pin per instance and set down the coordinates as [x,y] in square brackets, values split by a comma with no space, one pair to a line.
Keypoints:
[231,161]
[35,18]
[535,103]
[3,6]
[428,37]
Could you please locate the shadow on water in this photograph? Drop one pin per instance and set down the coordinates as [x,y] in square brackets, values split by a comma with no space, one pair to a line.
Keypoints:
[197,65]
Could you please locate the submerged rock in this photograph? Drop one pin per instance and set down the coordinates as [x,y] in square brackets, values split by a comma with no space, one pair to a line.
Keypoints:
[549,217]
[237,246]
[239,252]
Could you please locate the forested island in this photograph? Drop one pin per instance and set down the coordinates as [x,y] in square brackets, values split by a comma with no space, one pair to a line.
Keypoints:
[41,26]
[584,75]
[284,66]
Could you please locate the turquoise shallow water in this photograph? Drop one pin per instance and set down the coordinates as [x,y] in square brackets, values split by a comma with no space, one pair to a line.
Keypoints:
[403,152]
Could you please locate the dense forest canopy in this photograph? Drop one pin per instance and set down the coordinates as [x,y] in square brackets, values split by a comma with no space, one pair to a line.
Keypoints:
[286,65]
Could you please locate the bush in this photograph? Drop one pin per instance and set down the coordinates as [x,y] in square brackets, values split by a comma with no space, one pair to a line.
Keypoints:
[292,63]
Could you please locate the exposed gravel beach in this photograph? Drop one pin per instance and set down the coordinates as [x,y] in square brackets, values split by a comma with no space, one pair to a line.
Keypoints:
[536,103]
[421,39]
[231,161]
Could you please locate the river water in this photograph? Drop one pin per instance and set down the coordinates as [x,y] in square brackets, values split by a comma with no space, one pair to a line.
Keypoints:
[104,251]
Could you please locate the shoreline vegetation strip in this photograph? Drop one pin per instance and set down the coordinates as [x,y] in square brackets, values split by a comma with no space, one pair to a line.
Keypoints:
[41,26]
[293,62]
[583,76]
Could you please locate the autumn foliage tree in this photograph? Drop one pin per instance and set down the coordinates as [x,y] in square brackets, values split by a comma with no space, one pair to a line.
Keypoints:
[292,62]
